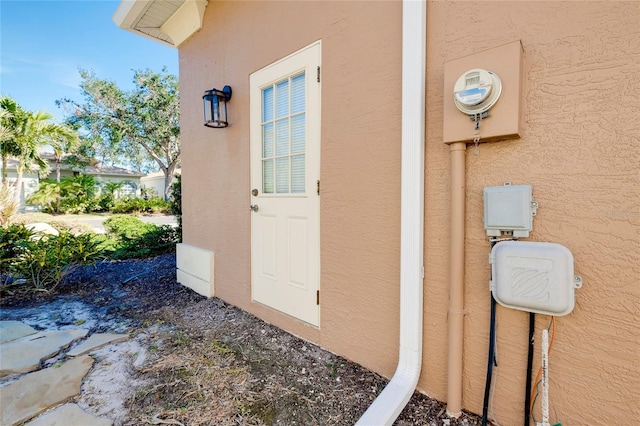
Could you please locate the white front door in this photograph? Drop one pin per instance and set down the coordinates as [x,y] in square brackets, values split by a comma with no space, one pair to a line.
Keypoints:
[285,169]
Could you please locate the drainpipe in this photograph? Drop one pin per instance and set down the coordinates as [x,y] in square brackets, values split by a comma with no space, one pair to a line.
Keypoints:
[386,408]
[456,289]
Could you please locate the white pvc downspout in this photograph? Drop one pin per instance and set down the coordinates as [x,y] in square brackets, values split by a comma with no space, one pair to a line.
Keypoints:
[386,408]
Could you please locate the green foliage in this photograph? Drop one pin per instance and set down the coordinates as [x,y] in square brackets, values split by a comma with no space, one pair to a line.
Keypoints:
[74,194]
[107,199]
[140,128]
[160,240]
[47,196]
[11,245]
[79,186]
[23,134]
[129,237]
[42,261]
[175,201]
[77,194]
[140,205]
[126,228]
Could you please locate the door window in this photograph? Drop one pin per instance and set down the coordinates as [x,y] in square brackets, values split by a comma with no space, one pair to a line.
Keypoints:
[283,136]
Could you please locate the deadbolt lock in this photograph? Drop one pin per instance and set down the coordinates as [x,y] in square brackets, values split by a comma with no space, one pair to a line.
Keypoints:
[254,192]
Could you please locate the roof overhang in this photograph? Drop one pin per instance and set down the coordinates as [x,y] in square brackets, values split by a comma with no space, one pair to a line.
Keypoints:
[169,22]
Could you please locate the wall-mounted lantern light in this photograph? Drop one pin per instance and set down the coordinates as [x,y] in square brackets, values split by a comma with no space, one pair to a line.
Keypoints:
[215,107]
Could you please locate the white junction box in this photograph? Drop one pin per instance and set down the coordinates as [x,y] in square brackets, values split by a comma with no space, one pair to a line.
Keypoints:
[508,209]
[534,277]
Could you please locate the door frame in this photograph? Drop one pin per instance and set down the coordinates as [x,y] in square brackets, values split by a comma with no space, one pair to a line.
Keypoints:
[310,56]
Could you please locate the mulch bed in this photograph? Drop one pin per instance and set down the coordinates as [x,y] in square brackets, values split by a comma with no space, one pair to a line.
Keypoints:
[209,363]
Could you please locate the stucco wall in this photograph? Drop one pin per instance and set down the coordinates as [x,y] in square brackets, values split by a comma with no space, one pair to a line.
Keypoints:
[579,150]
[580,153]
[360,160]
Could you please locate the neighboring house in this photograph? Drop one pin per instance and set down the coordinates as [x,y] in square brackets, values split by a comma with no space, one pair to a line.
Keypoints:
[346,247]
[30,181]
[130,179]
[153,183]
[102,174]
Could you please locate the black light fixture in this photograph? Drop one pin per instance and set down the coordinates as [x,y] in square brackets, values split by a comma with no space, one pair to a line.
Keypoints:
[215,107]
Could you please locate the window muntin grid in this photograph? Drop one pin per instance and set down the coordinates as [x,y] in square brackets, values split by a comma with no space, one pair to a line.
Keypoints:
[284,136]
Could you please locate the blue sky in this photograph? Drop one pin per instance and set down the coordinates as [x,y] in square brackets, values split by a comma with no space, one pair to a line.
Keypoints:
[43,43]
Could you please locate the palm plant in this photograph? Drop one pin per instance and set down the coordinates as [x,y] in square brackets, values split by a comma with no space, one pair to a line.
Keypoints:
[31,134]
[63,139]
[47,196]
[79,186]
[8,147]
[23,133]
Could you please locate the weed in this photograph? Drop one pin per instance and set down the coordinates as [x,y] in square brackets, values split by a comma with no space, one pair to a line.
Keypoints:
[220,347]
[181,339]
[333,368]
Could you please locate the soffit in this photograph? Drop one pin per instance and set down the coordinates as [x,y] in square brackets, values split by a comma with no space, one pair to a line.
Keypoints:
[169,22]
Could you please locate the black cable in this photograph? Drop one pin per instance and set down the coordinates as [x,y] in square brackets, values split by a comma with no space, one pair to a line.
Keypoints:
[491,361]
[527,391]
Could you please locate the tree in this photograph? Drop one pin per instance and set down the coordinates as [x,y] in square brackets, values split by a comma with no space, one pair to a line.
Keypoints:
[8,123]
[139,127]
[23,134]
[31,135]
[63,140]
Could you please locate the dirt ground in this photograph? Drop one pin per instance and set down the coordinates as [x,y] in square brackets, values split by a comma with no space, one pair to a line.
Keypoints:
[197,361]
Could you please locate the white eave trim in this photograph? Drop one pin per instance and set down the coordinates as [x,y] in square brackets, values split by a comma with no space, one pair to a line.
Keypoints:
[172,31]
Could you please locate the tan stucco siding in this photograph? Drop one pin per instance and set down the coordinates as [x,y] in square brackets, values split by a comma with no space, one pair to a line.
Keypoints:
[580,153]
[360,160]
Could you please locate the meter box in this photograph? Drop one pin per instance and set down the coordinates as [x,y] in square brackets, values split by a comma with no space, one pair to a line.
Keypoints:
[534,277]
[508,209]
[483,95]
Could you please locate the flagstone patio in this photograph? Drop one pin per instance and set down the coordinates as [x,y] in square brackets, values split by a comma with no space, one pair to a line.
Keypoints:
[30,390]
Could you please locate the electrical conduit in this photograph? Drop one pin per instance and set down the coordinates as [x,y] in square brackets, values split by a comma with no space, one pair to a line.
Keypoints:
[386,408]
[456,289]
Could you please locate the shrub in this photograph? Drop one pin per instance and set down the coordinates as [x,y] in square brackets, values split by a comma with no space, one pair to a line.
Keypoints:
[126,228]
[159,240]
[73,205]
[12,242]
[140,205]
[8,205]
[175,202]
[42,263]
[47,197]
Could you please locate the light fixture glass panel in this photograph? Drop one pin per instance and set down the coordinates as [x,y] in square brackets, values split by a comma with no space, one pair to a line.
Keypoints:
[267,176]
[267,140]
[298,134]
[267,104]
[298,168]
[282,99]
[282,137]
[297,94]
[282,175]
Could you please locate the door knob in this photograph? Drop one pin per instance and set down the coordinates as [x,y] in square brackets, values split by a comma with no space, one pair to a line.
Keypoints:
[254,207]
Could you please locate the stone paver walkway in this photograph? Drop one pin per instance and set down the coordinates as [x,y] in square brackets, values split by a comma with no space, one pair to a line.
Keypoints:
[22,350]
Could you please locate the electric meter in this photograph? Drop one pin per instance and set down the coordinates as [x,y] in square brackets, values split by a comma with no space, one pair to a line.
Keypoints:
[476,91]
